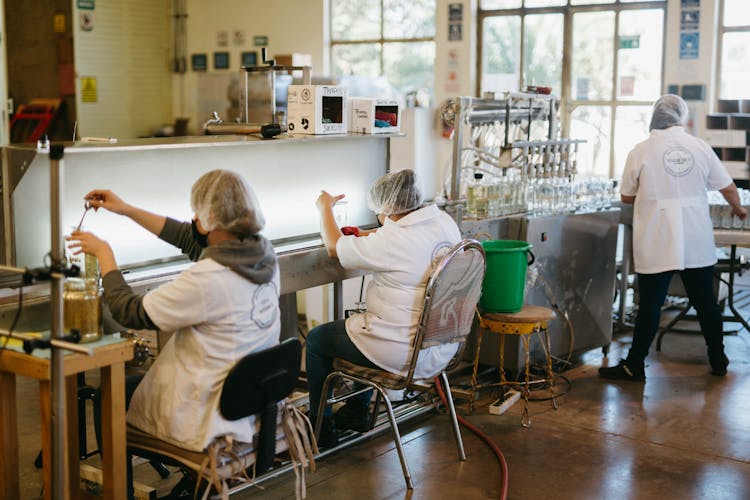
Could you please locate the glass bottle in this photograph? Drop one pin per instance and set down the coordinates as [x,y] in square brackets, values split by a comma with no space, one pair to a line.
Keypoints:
[477,199]
[82,302]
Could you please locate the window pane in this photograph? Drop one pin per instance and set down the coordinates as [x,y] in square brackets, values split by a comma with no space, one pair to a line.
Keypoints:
[592,55]
[409,66]
[736,13]
[735,65]
[587,2]
[501,51]
[592,123]
[543,38]
[356,59]
[545,3]
[420,15]
[639,54]
[631,127]
[500,4]
[355,19]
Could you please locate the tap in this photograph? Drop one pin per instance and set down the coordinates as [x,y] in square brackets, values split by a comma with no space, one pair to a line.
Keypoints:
[215,118]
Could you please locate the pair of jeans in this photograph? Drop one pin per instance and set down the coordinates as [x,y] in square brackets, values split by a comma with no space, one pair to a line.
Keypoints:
[324,343]
[652,291]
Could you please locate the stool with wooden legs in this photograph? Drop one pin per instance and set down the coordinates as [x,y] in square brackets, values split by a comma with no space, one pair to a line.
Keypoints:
[529,320]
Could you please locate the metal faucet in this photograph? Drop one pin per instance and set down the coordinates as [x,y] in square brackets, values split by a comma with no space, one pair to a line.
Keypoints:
[215,118]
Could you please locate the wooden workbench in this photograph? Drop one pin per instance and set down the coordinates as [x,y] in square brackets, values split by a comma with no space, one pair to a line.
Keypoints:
[109,355]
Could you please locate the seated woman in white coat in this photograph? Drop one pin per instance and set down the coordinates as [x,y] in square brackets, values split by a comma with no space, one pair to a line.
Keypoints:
[401,254]
[220,309]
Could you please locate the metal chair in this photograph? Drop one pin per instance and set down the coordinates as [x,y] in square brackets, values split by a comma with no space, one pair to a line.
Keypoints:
[255,385]
[450,300]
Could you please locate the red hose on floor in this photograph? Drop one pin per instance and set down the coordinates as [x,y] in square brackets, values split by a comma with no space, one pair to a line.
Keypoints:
[484,437]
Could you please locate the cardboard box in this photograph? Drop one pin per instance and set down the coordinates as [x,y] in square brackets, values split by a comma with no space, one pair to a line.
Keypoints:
[725,138]
[317,109]
[368,115]
[295,59]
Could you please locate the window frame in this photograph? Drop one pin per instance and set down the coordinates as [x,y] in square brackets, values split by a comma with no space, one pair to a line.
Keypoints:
[745,28]
[567,104]
[381,41]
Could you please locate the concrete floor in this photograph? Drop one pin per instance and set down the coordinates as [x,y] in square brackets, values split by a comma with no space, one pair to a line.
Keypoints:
[684,434]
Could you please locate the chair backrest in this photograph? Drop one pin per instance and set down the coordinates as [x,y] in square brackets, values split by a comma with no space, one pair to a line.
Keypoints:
[259,379]
[450,300]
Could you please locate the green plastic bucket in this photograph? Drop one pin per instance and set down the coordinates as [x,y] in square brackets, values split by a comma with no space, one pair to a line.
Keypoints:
[505,278]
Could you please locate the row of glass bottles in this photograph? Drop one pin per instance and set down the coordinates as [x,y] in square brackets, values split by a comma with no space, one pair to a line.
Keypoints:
[721,212]
[493,196]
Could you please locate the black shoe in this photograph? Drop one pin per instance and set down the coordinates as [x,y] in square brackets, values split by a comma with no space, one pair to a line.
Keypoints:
[719,363]
[328,436]
[353,416]
[623,371]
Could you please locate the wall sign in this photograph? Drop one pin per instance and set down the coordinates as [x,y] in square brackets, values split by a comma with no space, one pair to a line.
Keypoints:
[221,60]
[86,4]
[199,62]
[260,41]
[249,59]
[689,44]
[690,15]
[88,89]
[630,42]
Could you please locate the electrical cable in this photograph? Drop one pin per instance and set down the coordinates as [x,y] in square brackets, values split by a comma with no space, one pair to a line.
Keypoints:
[487,440]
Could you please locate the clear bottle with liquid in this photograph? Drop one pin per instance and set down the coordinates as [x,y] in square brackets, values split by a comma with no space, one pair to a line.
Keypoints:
[82,302]
[477,195]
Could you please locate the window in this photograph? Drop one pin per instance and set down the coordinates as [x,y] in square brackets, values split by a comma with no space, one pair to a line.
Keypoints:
[614,55]
[370,38]
[735,50]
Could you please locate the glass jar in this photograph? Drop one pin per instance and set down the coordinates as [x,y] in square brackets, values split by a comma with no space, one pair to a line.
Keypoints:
[82,302]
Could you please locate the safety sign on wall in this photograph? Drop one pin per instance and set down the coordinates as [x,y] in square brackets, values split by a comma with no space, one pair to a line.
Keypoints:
[88,89]
[690,15]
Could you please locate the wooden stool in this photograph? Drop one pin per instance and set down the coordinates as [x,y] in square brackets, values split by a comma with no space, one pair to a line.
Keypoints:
[529,320]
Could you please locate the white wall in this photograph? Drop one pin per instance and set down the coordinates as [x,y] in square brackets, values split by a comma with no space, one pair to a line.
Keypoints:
[699,71]
[127,51]
[290,25]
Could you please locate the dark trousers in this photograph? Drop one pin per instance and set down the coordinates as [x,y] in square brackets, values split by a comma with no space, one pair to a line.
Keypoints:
[325,342]
[652,291]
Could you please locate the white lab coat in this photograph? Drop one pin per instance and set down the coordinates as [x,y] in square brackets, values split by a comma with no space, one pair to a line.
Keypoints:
[401,254]
[669,174]
[218,317]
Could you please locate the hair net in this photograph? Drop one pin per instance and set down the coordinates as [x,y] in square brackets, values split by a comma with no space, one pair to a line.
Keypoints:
[223,199]
[395,193]
[669,110]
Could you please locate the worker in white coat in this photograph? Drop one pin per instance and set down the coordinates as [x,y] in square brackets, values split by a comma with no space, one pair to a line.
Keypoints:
[666,177]
[220,309]
[401,255]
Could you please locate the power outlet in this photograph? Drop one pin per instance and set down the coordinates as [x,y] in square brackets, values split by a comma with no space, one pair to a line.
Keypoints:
[508,399]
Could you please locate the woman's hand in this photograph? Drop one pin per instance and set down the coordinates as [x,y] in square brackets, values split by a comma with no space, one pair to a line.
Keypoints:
[104,198]
[740,212]
[88,243]
[327,200]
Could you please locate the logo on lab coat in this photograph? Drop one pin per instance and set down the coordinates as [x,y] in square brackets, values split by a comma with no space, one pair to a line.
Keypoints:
[678,161]
[265,305]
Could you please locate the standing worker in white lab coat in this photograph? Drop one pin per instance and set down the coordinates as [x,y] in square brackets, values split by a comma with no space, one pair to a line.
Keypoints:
[220,309]
[666,177]
[401,254]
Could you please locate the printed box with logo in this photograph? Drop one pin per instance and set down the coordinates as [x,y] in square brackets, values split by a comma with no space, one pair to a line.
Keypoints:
[374,116]
[317,109]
